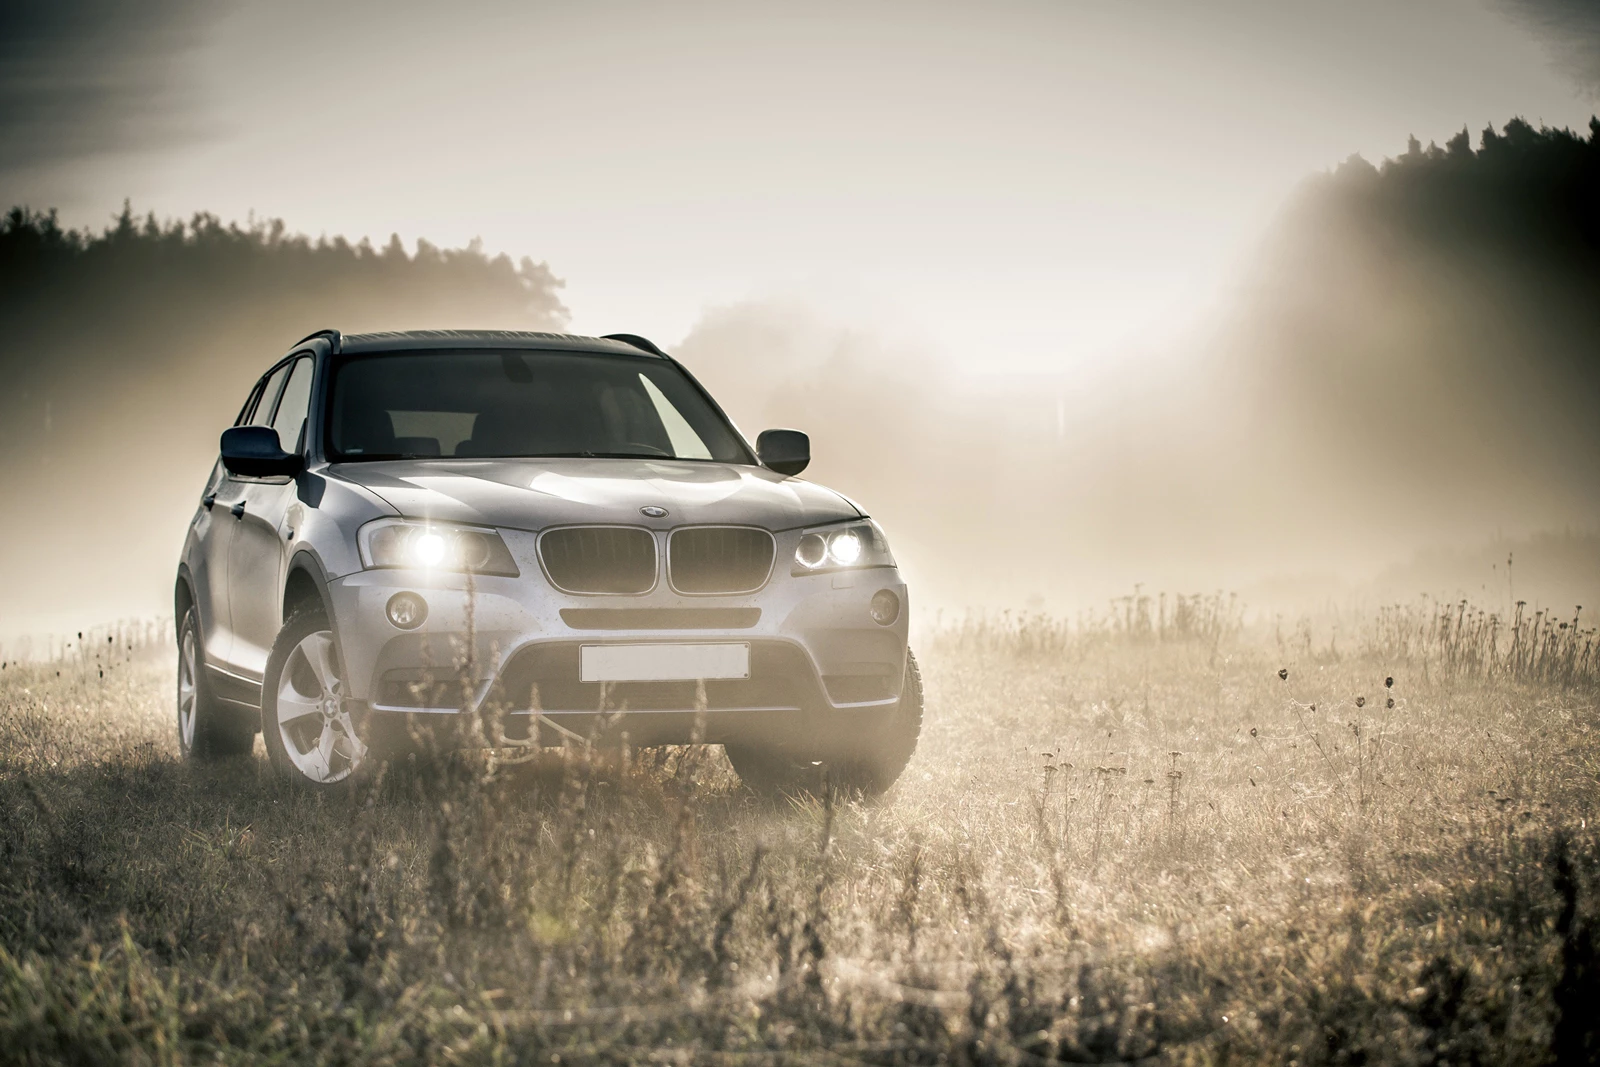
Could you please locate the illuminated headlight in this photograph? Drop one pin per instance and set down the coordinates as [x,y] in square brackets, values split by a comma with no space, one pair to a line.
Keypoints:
[434,546]
[846,545]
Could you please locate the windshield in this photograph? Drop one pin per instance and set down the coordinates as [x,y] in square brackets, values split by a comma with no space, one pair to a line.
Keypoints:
[522,403]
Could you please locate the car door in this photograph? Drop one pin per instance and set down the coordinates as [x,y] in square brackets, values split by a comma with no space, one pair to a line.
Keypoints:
[215,521]
[208,565]
[258,556]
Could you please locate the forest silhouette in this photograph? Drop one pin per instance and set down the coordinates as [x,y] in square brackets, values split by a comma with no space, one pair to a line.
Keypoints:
[1410,358]
[127,351]
[1424,331]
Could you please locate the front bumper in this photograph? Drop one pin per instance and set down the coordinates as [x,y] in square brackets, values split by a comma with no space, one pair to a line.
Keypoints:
[510,647]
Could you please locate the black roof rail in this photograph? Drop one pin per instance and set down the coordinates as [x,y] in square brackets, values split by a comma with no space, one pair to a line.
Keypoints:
[637,342]
[333,337]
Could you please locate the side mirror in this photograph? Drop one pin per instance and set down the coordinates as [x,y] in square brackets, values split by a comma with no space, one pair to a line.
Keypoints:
[785,451]
[254,452]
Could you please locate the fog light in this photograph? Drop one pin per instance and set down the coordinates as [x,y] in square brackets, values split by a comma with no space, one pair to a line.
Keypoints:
[408,610]
[885,607]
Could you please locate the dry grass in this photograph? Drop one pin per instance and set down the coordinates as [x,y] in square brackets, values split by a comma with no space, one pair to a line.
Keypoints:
[1119,841]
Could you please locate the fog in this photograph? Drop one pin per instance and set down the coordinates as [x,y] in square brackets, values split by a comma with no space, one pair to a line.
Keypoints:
[1395,393]
[126,353]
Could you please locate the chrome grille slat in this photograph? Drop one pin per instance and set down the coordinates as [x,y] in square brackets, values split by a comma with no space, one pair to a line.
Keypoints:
[719,559]
[600,559]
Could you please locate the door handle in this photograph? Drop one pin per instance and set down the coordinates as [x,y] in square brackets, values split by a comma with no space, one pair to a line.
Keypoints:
[208,500]
[238,510]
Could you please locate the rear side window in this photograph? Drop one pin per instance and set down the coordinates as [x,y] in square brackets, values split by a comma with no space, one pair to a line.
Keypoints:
[290,419]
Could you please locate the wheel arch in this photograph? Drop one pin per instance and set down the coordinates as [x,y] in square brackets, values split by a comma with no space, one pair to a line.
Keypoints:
[306,583]
[183,597]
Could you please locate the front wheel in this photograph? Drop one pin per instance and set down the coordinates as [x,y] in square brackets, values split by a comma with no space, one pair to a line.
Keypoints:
[207,728]
[868,764]
[310,733]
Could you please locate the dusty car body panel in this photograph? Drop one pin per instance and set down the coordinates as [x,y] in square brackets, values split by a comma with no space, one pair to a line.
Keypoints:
[531,494]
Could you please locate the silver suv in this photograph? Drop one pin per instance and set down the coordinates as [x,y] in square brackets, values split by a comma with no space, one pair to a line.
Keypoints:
[529,539]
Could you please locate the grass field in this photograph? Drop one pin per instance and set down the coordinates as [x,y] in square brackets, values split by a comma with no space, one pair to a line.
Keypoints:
[1124,840]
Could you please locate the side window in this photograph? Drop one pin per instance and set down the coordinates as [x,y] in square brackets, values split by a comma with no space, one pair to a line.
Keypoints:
[249,405]
[290,419]
[262,416]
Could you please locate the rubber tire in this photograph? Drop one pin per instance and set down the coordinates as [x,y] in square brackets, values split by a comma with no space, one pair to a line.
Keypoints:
[884,750]
[221,731]
[303,622]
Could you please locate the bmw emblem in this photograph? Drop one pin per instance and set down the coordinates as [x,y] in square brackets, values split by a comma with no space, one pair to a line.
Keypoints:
[653,511]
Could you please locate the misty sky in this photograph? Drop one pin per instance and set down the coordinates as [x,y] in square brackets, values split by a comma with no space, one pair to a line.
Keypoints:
[1016,184]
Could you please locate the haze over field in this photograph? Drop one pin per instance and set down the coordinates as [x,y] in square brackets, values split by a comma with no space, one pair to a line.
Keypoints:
[1231,348]
[1071,299]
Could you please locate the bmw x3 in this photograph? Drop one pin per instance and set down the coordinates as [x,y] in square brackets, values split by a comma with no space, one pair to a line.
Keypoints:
[531,539]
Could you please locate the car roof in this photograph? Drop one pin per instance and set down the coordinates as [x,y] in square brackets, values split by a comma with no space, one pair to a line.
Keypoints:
[418,340]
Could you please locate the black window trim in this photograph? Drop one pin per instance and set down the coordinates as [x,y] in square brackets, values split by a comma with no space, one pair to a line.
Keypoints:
[287,378]
[254,401]
[248,412]
[260,393]
[250,402]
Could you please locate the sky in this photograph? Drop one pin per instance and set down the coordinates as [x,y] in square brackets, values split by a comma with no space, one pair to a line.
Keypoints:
[1009,186]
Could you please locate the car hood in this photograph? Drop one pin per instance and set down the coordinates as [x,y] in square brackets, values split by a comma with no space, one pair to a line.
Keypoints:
[530,494]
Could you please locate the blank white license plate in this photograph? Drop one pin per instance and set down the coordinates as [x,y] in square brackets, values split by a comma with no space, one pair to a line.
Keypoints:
[663,663]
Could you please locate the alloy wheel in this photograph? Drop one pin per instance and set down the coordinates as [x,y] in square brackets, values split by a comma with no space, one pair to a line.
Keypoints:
[318,735]
[188,668]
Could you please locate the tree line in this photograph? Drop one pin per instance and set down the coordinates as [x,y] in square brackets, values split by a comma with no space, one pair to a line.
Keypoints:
[1524,190]
[1423,333]
[126,351]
